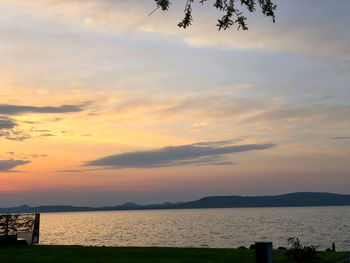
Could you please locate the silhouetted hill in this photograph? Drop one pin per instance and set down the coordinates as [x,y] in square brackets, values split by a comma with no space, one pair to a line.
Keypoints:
[285,200]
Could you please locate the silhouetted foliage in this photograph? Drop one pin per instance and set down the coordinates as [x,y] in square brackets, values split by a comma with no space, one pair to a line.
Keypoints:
[231,14]
[298,252]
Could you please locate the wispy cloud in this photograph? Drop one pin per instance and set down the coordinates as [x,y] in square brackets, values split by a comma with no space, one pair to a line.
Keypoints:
[191,107]
[12,129]
[199,153]
[8,109]
[341,138]
[315,114]
[80,170]
[7,165]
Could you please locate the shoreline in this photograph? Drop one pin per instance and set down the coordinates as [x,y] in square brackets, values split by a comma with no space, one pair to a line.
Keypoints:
[167,209]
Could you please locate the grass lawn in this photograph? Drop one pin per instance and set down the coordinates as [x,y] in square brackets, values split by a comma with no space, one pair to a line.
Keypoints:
[61,254]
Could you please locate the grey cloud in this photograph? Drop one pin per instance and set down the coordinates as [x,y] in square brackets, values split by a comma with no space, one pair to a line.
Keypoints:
[46,135]
[6,165]
[6,123]
[26,155]
[80,170]
[34,155]
[18,138]
[8,109]
[13,135]
[22,135]
[12,129]
[198,153]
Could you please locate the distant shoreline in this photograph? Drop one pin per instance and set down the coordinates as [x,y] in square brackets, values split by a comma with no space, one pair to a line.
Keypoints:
[301,199]
[157,209]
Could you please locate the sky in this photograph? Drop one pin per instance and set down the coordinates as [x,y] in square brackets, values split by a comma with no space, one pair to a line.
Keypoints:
[102,104]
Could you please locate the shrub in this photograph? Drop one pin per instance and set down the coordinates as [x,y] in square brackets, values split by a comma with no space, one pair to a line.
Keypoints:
[299,252]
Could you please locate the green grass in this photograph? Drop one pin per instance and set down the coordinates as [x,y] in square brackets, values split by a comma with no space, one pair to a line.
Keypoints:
[76,254]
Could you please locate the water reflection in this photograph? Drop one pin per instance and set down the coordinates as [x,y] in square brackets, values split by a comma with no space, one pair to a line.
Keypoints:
[224,228]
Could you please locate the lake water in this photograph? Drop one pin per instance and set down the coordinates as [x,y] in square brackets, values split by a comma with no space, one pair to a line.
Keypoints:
[216,228]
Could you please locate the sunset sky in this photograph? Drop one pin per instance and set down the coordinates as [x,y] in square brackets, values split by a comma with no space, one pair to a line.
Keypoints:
[101,104]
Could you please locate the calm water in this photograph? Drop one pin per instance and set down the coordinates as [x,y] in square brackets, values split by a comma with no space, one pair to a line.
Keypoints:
[223,228]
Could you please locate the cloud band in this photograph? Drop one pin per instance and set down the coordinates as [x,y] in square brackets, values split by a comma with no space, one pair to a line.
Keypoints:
[198,153]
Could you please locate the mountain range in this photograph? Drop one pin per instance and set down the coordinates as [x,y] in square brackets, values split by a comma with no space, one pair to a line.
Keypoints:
[284,200]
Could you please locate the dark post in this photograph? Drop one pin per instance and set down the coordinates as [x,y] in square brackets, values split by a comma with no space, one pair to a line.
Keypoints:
[333,247]
[263,252]
[35,236]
